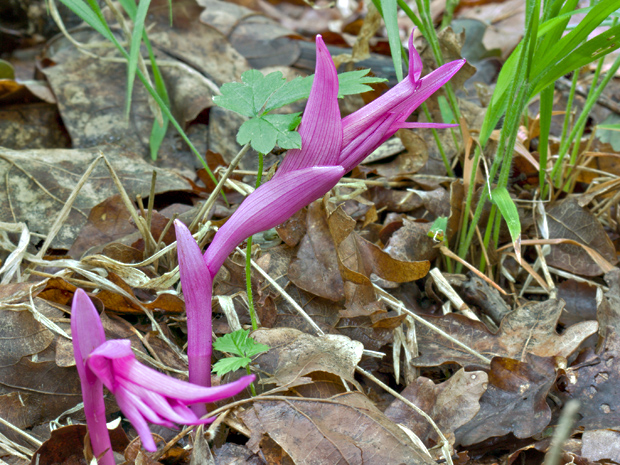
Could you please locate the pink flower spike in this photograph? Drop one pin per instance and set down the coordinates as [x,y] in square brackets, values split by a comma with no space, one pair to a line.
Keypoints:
[87,334]
[197,287]
[321,127]
[269,205]
[145,395]
[425,125]
[415,62]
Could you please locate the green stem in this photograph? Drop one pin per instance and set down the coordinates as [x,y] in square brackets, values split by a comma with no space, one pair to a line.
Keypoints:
[248,260]
[252,389]
[590,101]
[444,157]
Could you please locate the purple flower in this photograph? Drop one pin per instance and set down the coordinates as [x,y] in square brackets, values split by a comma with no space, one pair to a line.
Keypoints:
[143,394]
[331,147]
[197,284]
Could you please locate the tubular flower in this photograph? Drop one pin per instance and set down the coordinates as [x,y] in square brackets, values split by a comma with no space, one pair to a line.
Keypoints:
[197,287]
[143,394]
[331,147]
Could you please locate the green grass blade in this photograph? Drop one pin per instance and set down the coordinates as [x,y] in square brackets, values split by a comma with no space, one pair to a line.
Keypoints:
[388,10]
[134,50]
[564,46]
[508,209]
[592,50]
[546,110]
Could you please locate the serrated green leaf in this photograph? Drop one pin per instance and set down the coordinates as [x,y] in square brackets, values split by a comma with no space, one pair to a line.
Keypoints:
[261,135]
[265,132]
[254,348]
[239,343]
[349,83]
[237,97]
[356,82]
[226,365]
[262,87]
[297,89]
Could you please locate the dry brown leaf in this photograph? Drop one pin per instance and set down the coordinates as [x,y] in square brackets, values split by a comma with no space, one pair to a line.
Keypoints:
[530,329]
[345,429]
[294,356]
[21,335]
[33,393]
[450,404]
[66,445]
[597,385]
[107,222]
[568,220]
[41,181]
[514,402]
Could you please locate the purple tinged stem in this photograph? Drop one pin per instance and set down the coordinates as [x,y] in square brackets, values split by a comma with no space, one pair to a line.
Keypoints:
[197,288]
[269,205]
[87,332]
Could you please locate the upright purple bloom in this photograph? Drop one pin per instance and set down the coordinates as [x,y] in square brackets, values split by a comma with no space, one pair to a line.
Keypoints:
[87,333]
[197,287]
[331,147]
[143,394]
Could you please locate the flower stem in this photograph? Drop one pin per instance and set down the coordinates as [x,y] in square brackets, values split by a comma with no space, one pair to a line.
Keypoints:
[247,368]
[248,263]
[94,409]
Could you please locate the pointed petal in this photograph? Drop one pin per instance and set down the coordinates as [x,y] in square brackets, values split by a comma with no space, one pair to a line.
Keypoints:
[127,406]
[427,86]
[359,148]
[101,361]
[269,205]
[117,354]
[86,329]
[425,125]
[356,123]
[321,127]
[158,404]
[403,99]
[197,284]
[415,62]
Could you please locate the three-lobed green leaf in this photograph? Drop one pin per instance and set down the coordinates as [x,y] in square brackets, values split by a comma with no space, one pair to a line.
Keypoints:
[257,95]
[240,344]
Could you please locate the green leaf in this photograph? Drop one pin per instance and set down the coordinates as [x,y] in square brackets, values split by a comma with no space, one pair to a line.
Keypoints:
[6,70]
[226,365]
[249,97]
[508,209]
[388,11]
[438,228]
[566,44]
[134,49]
[239,343]
[592,50]
[265,132]
[349,83]
[356,82]
[446,112]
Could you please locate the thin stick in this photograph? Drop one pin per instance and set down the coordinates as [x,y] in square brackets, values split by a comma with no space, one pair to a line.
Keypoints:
[444,442]
[397,304]
[11,426]
[213,196]
[284,294]
[66,209]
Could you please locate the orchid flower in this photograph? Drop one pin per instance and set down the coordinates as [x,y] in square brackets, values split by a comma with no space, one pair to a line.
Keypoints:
[331,147]
[143,394]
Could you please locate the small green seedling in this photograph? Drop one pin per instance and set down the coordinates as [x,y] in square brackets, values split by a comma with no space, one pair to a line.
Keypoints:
[240,344]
